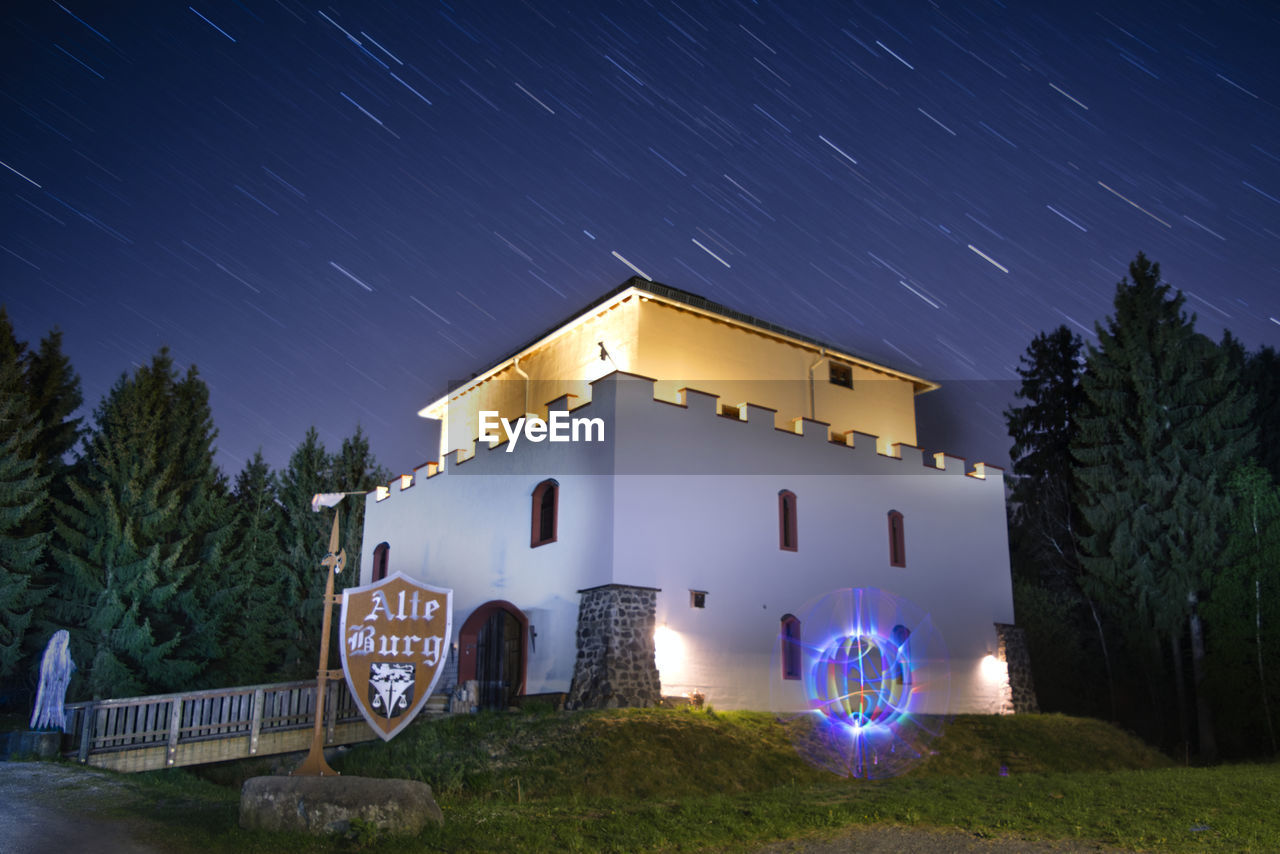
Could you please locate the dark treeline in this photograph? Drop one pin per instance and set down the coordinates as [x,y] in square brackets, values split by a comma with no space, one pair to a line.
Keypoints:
[124,532]
[1145,525]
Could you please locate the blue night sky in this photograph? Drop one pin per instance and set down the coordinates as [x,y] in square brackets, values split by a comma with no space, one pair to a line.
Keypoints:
[332,211]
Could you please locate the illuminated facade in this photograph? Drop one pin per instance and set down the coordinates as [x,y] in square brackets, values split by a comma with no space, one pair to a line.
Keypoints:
[740,470]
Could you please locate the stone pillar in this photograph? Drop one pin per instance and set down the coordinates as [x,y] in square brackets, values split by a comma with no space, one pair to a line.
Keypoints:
[615,665]
[1013,651]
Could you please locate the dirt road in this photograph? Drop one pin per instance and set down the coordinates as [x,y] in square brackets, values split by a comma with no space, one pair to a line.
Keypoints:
[48,809]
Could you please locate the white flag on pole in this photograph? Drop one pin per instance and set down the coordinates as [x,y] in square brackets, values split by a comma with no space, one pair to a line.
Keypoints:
[325,499]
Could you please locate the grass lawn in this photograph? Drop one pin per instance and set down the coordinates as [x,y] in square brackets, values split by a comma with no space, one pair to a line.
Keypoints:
[665,780]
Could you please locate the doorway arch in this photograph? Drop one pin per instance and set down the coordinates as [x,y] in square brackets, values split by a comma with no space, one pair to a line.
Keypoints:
[494,650]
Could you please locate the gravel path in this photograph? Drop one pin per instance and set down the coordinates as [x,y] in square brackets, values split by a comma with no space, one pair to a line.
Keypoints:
[47,809]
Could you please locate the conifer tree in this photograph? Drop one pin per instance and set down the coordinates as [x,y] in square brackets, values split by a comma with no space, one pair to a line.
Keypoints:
[305,543]
[355,469]
[1043,525]
[1163,424]
[1243,612]
[23,498]
[1042,430]
[255,645]
[134,537]
[313,470]
[1262,377]
[205,515]
[54,391]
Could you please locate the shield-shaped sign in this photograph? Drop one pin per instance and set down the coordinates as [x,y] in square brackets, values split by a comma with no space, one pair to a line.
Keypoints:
[395,639]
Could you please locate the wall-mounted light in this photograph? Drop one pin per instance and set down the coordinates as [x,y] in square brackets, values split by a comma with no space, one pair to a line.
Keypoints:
[993,669]
[668,652]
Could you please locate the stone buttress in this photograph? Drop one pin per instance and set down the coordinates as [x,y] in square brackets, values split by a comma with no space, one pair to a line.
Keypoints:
[615,665]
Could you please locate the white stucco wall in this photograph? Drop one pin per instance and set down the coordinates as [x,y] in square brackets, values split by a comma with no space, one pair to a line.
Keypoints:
[718,532]
[681,498]
[467,528]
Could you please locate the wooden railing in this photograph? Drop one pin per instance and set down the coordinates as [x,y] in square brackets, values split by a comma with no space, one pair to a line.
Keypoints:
[195,727]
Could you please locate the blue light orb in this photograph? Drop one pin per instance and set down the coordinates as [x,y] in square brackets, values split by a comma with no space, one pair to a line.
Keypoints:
[862,681]
[855,683]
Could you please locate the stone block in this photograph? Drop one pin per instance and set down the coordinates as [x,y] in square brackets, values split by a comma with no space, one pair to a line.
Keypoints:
[325,805]
[33,744]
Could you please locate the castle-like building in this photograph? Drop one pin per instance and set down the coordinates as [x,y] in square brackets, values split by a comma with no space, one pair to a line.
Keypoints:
[686,479]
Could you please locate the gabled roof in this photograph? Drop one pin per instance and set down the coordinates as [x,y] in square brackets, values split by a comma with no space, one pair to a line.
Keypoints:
[702,305]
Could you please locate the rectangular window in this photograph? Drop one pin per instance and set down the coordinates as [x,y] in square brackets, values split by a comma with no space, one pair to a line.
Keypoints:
[788,536]
[697,598]
[790,647]
[897,540]
[841,375]
[546,506]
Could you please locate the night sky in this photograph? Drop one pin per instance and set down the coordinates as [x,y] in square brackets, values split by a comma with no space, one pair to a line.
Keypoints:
[333,211]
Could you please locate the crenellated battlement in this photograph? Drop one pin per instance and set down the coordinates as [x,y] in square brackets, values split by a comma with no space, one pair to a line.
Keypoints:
[615,396]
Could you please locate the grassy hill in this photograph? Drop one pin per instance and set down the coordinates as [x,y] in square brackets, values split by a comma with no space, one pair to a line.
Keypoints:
[665,780]
[658,753]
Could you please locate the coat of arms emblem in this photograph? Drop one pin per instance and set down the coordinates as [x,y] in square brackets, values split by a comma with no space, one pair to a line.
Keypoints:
[395,639]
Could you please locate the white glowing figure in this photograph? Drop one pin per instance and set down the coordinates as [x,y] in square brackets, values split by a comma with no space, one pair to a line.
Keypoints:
[55,673]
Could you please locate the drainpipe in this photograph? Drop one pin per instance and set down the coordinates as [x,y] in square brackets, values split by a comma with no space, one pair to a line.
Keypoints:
[822,355]
[515,363]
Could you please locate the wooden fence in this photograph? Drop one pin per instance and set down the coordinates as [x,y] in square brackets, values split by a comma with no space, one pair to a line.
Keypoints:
[197,727]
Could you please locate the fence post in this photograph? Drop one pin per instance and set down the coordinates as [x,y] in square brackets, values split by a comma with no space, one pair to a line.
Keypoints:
[175,724]
[331,710]
[86,730]
[255,724]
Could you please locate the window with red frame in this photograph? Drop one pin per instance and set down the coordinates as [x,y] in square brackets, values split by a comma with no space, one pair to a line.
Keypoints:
[791,649]
[381,561]
[897,540]
[788,535]
[546,504]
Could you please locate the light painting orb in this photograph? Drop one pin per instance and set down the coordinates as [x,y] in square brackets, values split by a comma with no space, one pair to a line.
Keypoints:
[862,682]
[855,681]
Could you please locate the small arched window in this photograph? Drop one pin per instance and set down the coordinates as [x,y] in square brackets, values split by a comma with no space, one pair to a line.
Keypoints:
[546,503]
[897,540]
[381,561]
[789,635]
[788,535]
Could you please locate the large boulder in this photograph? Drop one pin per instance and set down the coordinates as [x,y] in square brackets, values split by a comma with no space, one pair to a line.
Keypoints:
[321,805]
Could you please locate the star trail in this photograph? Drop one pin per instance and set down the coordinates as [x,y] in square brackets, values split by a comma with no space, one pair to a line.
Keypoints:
[334,211]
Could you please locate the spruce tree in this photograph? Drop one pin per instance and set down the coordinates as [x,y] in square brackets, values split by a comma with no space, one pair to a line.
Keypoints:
[1163,423]
[305,539]
[24,494]
[1042,430]
[255,646]
[1059,615]
[1243,614]
[355,469]
[134,537]
[313,470]
[1262,377]
[54,390]
[205,519]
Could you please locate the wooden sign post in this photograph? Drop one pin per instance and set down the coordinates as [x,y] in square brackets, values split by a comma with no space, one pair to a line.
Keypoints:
[314,765]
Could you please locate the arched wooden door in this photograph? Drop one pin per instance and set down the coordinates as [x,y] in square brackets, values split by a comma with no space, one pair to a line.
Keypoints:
[493,653]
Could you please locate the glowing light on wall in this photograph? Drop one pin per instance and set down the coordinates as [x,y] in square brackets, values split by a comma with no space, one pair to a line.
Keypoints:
[994,670]
[875,683]
[996,674]
[668,653]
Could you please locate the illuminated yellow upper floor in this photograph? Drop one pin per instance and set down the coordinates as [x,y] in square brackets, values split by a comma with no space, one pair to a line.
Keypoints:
[682,340]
